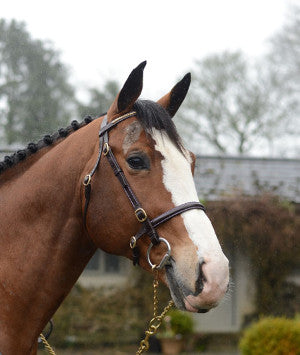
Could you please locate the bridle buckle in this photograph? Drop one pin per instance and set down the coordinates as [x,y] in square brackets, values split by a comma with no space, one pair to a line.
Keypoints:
[105,148]
[132,242]
[87,180]
[140,214]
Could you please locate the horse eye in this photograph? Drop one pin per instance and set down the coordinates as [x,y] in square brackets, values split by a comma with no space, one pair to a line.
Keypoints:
[137,163]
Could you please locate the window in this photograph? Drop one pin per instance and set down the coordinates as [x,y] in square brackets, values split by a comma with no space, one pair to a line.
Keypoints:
[111,263]
[94,263]
[104,263]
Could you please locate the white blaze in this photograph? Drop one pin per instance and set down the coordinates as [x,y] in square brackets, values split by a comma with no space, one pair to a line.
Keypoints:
[178,180]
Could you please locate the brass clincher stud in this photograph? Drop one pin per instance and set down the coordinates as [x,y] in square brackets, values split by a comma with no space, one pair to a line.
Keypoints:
[141,214]
[87,180]
[132,242]
[105,149]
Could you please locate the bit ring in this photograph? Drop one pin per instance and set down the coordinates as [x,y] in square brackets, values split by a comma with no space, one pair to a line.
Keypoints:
[164,260]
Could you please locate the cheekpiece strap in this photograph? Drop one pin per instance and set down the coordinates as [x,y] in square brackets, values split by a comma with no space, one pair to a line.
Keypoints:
[103,148]
[88,178]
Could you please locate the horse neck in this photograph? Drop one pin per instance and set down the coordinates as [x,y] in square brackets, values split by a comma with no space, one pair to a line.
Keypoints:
[44,246]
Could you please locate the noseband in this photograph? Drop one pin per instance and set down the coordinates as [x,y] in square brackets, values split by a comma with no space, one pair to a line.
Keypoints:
[148,227]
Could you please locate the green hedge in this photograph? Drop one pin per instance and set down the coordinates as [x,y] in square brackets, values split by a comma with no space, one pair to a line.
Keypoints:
[272,336]
[176,323]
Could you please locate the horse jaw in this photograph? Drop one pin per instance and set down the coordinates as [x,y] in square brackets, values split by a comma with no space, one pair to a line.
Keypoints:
[201,253]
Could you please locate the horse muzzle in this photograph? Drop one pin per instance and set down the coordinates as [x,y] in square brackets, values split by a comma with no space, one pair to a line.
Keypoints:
[211,284]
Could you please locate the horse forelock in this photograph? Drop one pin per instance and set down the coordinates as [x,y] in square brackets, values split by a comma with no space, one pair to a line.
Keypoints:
[48,140]
[153,116]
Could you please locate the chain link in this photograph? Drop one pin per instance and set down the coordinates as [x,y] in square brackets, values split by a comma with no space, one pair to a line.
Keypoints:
[155,292]
[47,345]
[156,321]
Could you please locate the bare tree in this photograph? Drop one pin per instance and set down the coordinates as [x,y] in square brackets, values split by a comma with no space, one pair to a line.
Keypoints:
[230,108]
[35,96]
[283,63]
[285,50]
[99,99]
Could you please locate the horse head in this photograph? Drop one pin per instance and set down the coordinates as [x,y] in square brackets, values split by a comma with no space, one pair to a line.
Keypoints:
[159,172]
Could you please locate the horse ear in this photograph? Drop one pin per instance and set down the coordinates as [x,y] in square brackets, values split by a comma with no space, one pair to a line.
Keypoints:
[129,93]
[172,101]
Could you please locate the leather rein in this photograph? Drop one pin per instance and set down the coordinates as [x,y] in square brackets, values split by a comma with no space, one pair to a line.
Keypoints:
[148,227]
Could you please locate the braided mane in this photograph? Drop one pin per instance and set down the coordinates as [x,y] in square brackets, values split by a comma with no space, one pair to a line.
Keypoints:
[13,159]
[150,114]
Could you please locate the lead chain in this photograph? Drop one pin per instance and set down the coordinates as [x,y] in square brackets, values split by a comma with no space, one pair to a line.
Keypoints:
[47,345]
[156,321]
[155,291]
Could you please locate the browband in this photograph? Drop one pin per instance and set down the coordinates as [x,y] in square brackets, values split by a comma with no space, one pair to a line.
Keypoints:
[113,123]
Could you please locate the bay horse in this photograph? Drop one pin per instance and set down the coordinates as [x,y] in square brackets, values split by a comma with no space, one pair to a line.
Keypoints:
[60,200]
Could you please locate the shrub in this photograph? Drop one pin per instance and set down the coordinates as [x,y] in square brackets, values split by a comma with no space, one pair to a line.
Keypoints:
[272,336]
[176,323]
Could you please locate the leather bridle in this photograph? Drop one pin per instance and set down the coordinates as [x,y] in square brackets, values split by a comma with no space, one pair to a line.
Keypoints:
[148,226]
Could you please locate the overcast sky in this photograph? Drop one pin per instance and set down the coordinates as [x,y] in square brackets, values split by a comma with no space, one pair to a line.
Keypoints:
[99,40]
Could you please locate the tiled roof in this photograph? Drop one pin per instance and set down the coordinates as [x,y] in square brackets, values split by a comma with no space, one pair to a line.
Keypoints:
[217,177]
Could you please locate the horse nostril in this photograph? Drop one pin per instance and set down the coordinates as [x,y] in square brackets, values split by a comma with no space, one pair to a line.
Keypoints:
[200,280]
[203,310]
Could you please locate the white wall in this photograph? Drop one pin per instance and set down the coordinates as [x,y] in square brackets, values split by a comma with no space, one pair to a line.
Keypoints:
[228,316]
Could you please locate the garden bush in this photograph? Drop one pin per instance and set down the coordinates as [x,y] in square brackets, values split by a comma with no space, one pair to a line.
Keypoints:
[176,323]
[181,322]
[272,336]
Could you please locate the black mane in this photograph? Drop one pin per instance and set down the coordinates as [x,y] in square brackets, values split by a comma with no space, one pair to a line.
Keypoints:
[152,115]
[20,155]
